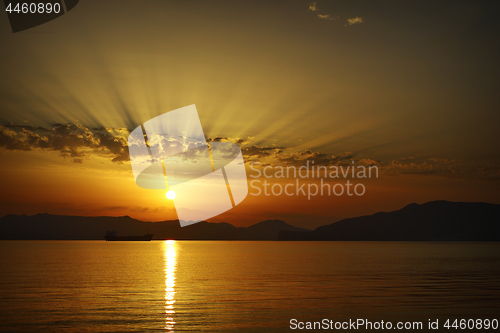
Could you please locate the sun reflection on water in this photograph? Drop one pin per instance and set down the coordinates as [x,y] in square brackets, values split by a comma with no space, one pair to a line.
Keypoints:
[170,253]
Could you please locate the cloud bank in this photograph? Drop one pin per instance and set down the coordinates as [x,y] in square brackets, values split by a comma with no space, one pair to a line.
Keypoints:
[70,140]
[76,142]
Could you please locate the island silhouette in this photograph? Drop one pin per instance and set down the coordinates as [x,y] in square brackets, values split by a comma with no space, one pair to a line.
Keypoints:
[432,221]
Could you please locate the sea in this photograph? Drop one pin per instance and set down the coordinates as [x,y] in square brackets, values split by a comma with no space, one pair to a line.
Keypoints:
[248,286]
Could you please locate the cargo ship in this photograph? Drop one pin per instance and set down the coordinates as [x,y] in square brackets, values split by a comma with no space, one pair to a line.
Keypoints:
[113,236]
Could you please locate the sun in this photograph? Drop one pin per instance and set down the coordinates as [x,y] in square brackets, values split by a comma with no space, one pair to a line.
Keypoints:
[170,194]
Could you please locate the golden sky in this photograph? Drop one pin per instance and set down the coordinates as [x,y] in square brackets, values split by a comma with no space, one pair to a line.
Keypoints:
[412,88]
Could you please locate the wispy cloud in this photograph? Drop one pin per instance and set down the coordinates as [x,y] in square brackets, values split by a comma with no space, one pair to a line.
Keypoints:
[327,17]
[313,7]
[442,167]
[354,20]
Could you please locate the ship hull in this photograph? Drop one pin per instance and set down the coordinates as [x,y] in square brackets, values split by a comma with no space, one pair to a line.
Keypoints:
[146,238]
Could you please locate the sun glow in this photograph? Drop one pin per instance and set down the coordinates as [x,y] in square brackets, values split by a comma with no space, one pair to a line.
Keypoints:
[170,255]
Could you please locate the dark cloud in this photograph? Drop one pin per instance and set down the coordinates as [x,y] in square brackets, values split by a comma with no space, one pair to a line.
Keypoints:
[70,140]
[260,152]
[284,156]
[239,141]
[76,141]
[442,167]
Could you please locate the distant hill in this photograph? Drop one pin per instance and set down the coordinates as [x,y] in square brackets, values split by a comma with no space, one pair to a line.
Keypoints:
[60,227]
[432,221]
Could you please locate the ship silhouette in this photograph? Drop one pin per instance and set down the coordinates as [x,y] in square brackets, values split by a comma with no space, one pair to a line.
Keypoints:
[113,236]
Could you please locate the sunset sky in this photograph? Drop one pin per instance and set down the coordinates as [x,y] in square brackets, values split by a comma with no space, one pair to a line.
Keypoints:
[410,87]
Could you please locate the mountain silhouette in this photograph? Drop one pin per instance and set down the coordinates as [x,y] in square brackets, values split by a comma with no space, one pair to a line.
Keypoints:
[60,227]
[432,221]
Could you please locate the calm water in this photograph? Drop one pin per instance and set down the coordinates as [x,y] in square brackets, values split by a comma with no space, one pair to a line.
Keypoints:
[97,286]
